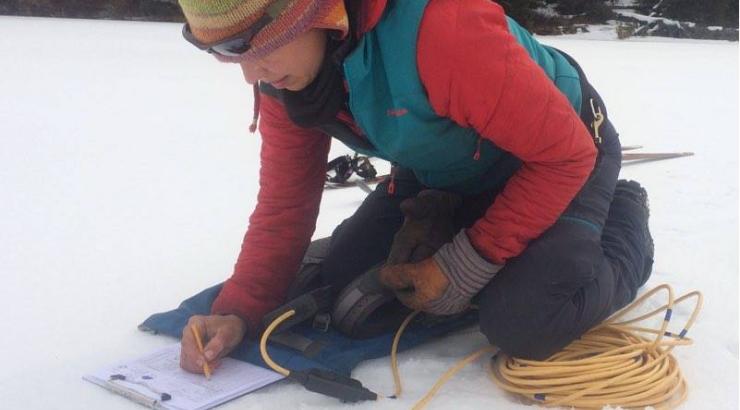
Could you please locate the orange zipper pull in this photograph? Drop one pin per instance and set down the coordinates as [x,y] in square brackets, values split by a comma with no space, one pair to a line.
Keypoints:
[392,184]
[476,156]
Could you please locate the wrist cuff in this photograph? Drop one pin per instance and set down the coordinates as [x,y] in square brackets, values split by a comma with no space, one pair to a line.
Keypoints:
[467,272]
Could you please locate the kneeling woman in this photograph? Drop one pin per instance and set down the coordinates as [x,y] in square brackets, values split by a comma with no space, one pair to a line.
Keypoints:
[460,99]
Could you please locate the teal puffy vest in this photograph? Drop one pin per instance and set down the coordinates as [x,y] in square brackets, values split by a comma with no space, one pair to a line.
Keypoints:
[389,104]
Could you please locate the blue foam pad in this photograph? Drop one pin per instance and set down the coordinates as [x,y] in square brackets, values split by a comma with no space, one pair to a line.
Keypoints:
[339,353]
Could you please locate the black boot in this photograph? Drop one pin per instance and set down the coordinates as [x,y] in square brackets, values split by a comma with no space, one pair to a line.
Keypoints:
[630,205]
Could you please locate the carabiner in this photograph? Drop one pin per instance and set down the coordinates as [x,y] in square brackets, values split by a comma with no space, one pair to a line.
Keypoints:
[598,120]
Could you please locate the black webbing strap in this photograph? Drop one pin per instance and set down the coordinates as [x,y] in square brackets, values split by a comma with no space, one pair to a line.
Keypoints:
[306,346]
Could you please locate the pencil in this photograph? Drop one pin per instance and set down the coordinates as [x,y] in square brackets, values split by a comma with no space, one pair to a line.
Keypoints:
[206,368]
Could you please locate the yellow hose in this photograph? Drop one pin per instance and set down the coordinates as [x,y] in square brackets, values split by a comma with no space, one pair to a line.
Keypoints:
[263,343]
[394,353]
[612,364]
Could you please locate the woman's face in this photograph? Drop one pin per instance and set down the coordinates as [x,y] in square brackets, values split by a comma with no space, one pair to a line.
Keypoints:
[292,66]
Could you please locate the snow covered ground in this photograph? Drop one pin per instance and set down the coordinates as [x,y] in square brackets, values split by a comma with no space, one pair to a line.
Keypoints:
[127,175]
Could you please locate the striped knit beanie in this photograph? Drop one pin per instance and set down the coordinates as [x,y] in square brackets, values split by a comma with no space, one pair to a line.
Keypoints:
[215,20]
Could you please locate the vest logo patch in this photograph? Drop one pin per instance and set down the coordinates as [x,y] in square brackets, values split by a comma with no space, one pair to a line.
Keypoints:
[397,112]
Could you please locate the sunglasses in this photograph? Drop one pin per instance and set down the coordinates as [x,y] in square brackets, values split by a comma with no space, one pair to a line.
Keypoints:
[239,43]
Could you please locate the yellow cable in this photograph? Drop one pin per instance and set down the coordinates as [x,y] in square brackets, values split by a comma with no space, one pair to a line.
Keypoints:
[612,364]
[449,374]
[266,335]
[394,353]
[632,370]
[263,343]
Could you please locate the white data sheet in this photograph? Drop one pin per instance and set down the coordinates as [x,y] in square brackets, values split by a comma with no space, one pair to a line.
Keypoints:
[157,381]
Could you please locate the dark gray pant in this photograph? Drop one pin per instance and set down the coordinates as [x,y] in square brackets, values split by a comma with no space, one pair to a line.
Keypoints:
[586,266]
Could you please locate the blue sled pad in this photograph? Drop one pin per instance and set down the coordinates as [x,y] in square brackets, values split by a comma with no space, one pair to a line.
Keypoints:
[338,352]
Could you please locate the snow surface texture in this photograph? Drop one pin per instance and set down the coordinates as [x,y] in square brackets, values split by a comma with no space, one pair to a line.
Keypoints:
[127,175]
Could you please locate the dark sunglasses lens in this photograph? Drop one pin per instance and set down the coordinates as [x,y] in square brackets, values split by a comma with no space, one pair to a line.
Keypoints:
[232,48]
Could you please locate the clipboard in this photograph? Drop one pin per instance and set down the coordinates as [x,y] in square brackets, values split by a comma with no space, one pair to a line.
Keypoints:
[157,381]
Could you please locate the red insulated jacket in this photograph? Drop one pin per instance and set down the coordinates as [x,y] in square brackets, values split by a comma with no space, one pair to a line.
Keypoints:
[476,74]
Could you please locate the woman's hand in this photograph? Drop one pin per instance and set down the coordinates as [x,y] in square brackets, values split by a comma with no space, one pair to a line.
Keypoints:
[416,285]
[220,335]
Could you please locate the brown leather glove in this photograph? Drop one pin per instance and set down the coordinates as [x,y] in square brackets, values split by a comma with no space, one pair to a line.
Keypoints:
[416,284]
[431,268]
[428,225]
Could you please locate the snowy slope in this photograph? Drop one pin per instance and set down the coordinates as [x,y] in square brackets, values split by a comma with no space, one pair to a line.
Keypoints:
[127,176]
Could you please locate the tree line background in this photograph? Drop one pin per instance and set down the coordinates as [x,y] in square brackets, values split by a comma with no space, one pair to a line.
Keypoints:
[145,10]
[707,12]
[527,12]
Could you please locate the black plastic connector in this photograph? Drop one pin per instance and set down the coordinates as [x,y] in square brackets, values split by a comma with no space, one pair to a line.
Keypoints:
[331,384]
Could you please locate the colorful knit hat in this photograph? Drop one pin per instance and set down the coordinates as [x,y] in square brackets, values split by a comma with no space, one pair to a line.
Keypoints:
[214,20]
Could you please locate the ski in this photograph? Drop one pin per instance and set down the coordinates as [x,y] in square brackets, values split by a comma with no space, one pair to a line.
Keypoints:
[632,156]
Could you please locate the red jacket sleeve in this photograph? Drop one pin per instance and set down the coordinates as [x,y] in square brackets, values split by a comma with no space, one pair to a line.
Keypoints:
[292,172]
[476,73]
